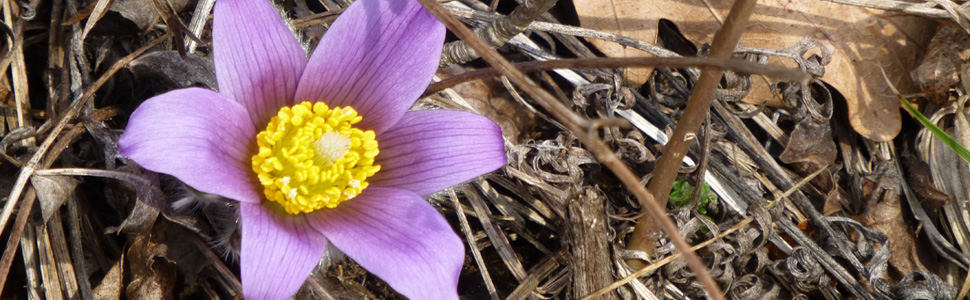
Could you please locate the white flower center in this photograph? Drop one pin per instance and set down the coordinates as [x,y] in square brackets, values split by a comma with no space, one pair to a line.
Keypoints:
[331,147]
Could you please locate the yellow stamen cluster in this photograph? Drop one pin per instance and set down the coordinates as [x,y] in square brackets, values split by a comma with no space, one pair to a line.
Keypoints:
[310,157]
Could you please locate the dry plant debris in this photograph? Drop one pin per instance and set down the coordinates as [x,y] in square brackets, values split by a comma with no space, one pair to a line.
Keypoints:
[818,196]
[853,43]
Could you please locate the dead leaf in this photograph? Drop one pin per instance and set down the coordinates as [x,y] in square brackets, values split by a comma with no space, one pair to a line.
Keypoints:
[810,148]
[487,98]
[142,12]
[859,41]
[110,286]
[920,180]
[52,192]
[810,143]
[162,71]
[940,70]
[887,217]
[149,201]
[97,12]
[153,275]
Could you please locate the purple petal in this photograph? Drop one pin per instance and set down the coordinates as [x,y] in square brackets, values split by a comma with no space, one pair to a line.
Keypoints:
[430,150]
[198,136]
[400,238]
[258,60]
[377,58]
[278,252]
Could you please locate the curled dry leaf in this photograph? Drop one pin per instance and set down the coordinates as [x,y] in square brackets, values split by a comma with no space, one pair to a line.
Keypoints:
[860,41]
[809,149]
[163,71]
[142,12]
[487,98]
[886,216]
[945,57]
[52,192]
[153,275]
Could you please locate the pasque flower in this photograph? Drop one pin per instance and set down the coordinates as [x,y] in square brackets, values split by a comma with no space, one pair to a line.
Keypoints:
[323,149]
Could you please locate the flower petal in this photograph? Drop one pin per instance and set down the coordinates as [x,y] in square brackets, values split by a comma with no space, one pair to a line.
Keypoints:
[377,58]
[198,136]
[430,150]
[278,252]
[258,60]
[400,238]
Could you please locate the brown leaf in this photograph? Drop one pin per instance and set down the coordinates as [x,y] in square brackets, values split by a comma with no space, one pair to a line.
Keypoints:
[98,11]
[810,143]
[110,286]
[487,98]
[52,192]
[142,12]
[887,217]
[810,148]
[940,70]
[920,180]
[859,41]
[162,71]
[153,276]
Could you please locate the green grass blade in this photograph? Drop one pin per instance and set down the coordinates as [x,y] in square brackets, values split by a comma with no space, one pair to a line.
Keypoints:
[949,141]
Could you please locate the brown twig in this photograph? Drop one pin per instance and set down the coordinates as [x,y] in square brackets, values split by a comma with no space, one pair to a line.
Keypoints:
[909,8]
[580,127]
[497,32]
[626,62]
[725,40]
[672,257]
[570,30]
[18,69]
[317,19]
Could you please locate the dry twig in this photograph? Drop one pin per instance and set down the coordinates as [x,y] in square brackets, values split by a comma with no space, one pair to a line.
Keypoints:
[583,130]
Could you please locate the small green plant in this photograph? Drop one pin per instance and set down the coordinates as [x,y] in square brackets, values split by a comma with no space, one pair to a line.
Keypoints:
[682,193]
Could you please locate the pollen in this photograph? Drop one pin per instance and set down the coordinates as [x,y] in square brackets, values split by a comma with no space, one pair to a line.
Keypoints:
[312,157]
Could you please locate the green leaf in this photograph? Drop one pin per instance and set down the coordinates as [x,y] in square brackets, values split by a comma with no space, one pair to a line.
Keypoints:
[681,193]
[939,133]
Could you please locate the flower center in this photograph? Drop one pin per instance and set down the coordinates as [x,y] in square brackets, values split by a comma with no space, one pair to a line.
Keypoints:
[310,157]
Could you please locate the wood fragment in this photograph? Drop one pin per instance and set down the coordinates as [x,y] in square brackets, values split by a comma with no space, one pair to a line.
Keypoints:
[51,278]
[62,257]
[587,242]
[472,241]
[495,234]
[28,248]
[540,271]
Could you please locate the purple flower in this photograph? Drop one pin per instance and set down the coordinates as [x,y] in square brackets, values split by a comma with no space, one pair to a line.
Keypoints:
[324,150]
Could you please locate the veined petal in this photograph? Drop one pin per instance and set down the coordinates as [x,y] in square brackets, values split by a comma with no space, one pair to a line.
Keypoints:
[198,136]
[400,238]
[278,252]
[258,60]
[430,150]
[377,57]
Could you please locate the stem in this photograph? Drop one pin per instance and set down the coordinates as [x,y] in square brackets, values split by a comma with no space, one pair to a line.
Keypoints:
[584,132]
[739,66]
[725,40]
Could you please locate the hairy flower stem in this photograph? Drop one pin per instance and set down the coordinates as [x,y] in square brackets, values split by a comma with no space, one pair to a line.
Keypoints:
[725,40]
[498,32]
[584,130]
